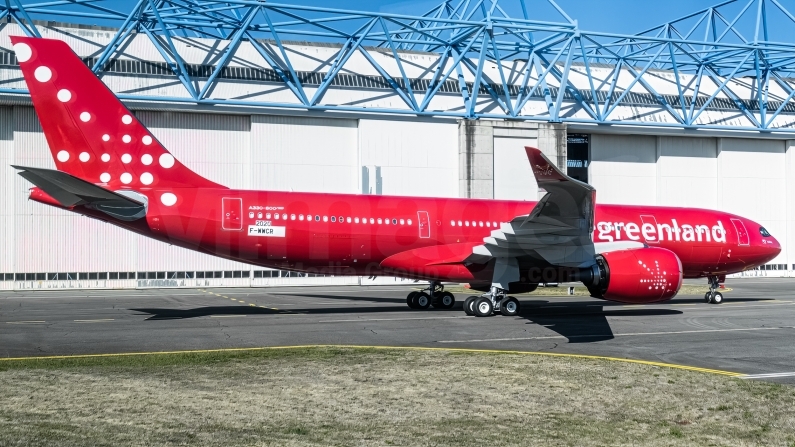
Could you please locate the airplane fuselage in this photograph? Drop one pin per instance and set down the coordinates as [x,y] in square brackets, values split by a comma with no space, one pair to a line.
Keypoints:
[344,234]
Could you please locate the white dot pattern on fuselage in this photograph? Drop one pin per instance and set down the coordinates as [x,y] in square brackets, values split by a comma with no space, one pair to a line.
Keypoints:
[63,156]
[166,160]
[126,158]
[104,177]
[126,178]
[84,157]
[126,138]
[23,52]
[168,199]
[85,117]
[126,119]
[42,74]
[64,95]
[146,159]
[105,157]
[147,178]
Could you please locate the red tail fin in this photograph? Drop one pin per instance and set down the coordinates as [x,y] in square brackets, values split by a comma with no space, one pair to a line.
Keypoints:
[91,134]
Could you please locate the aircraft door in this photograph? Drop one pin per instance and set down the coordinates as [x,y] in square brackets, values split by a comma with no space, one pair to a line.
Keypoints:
[232,213]
[425,224]
[742,233]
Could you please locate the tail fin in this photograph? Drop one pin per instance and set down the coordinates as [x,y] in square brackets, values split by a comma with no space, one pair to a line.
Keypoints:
[91,134]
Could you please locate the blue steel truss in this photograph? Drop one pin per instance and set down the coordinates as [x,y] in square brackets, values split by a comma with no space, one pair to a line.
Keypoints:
[499,59]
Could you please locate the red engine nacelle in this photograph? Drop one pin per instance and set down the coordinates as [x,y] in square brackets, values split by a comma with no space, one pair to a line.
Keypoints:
[641,275]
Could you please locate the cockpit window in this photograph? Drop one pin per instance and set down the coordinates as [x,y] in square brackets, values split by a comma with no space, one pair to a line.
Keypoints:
[764,232]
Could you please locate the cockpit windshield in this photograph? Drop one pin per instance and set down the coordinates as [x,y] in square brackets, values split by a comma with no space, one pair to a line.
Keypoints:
[764,232]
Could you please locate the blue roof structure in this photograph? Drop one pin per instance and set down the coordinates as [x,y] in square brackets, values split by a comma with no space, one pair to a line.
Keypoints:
[526,65]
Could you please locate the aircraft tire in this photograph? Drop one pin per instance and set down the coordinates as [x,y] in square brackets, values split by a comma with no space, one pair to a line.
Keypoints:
[468,305]
[410,300]
[509,307]
[718,298]
[483,307]
[445,300]
[422,300]
[707,299]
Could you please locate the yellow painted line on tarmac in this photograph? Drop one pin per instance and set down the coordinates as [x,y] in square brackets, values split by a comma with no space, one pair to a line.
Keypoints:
[405,348]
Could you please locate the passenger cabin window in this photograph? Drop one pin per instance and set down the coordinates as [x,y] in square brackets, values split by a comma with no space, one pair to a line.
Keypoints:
[268,215]
[402,221]
[325,218]
[333,218]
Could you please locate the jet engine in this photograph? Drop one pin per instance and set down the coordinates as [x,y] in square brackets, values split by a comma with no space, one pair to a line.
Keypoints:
[641,275]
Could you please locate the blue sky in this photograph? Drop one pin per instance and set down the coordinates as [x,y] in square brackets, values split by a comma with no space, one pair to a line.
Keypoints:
[617,16]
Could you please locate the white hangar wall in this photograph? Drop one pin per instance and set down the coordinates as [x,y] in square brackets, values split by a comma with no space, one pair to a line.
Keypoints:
[241,151]
[753,178]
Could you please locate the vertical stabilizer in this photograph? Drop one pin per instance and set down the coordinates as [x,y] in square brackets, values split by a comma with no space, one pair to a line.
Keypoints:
[91,134]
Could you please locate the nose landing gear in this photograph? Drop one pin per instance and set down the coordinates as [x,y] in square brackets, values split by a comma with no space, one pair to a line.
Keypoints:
[434,295]
[713,296]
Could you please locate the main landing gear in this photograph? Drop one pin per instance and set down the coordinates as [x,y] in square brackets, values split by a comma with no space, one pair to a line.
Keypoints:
[713,296]
[434,296]
[490,303]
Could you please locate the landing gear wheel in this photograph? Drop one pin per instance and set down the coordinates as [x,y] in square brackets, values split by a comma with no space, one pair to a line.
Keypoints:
[718,298]
[410,300]
[483,307]
[707,298]
[445,300]
[468,307]
[422,300]
[509,307]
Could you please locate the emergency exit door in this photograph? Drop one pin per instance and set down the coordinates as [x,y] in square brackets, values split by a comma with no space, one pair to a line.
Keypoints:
[232,213]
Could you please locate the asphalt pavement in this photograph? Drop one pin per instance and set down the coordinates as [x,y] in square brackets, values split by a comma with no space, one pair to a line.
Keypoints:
[752,332]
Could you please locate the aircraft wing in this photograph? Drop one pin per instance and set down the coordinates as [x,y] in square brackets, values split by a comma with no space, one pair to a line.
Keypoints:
[557,230]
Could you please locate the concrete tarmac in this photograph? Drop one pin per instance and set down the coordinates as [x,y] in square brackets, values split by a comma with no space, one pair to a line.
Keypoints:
[752,333]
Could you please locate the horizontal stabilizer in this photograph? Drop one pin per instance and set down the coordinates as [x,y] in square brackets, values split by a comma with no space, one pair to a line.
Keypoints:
[71,191]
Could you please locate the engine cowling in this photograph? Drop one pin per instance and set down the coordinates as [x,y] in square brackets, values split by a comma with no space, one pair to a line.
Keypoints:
[641,275]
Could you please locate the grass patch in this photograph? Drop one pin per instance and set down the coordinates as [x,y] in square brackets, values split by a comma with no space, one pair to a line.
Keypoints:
[347,396]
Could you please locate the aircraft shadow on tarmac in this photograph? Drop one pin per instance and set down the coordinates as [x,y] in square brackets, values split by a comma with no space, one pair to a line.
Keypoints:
[178,314]
[583,322]
[578,321]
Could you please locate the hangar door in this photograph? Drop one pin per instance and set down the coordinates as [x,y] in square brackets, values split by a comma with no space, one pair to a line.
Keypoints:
[513,177]
[304,154]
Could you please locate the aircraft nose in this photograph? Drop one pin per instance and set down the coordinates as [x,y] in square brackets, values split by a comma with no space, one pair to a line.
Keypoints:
[770,247]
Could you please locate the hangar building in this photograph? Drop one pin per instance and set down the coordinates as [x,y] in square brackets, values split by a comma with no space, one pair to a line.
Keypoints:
[434,105]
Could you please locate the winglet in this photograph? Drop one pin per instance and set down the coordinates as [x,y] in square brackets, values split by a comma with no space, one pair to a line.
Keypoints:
[545,171]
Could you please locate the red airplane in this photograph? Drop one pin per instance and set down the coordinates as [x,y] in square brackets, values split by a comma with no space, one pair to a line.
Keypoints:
[110,167]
